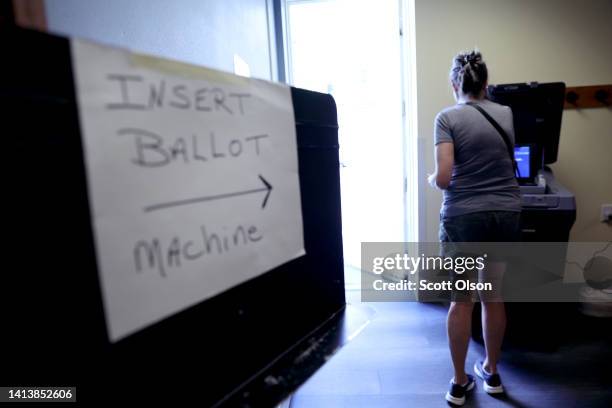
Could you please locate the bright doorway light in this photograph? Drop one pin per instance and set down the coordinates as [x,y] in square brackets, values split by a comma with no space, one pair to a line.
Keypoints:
[352,50]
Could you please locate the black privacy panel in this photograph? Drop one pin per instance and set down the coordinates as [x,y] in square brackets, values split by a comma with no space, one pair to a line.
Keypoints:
[53,328]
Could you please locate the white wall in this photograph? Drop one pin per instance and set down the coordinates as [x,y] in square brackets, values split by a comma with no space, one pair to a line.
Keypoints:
[204,32]
[524,40]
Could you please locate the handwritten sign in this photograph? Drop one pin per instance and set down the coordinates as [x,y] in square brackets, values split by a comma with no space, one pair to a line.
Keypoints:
[193,180]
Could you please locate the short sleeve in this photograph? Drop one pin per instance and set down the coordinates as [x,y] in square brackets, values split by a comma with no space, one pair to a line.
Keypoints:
[442,130]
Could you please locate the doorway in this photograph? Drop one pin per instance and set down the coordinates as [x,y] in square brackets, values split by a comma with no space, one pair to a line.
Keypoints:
[354,50]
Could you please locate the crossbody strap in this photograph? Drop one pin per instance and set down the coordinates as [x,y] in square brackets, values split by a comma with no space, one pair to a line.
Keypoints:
[503,134]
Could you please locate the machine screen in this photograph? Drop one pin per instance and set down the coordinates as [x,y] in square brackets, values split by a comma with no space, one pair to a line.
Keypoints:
[522,155]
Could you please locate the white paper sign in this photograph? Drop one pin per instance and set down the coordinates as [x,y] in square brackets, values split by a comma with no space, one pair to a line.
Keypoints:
[193,180]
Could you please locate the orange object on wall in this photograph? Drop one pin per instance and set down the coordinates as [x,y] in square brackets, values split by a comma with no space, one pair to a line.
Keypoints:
[596,96]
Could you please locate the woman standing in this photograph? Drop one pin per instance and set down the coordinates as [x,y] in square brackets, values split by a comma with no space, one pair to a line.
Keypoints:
[474,141]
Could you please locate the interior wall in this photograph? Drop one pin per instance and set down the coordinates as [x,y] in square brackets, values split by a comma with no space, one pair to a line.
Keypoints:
[201,32]
[523,41]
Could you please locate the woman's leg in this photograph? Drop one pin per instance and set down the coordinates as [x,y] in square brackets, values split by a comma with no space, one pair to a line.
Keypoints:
[459,327]
[493,315]
[493,329]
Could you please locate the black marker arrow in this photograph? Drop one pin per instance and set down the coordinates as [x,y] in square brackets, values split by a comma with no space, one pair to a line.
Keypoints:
[267,188]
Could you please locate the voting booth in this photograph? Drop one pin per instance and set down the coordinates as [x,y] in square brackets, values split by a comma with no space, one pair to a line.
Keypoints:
[549,208]
[173,230]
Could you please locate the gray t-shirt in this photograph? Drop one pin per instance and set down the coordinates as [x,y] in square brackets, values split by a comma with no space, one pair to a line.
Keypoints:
[482,178]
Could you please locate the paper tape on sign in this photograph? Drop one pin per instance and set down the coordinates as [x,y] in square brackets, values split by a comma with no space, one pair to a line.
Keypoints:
[192,177]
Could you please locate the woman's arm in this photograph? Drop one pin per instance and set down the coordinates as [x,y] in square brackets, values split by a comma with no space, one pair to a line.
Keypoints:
[445,158]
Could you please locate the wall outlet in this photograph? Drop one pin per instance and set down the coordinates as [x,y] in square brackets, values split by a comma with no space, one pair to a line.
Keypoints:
[606,213]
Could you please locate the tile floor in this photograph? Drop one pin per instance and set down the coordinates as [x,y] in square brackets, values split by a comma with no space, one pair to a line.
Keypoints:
[400,359]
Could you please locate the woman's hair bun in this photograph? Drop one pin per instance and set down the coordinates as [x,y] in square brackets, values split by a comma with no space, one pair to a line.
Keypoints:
[469,72]
[472,57]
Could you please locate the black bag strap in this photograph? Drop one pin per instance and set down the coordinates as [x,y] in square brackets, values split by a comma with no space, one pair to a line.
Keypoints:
[503,134]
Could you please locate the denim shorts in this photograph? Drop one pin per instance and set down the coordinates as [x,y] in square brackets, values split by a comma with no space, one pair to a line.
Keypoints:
[484,226]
